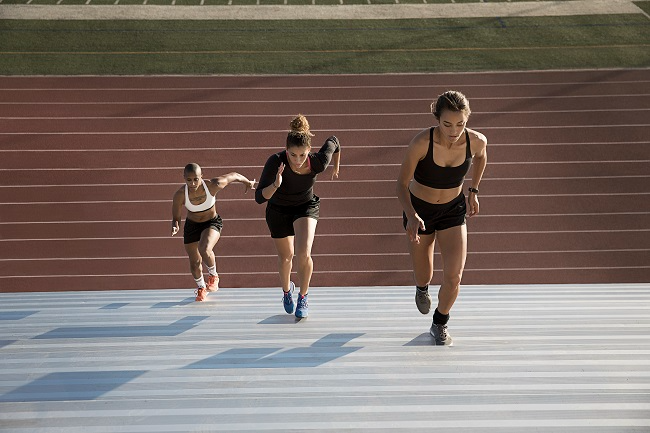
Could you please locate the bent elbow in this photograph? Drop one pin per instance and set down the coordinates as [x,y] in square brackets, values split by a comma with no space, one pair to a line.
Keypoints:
[259,197]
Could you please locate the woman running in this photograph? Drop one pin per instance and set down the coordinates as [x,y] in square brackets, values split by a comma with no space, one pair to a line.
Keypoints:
[430,189]
[203,224]
[292,210]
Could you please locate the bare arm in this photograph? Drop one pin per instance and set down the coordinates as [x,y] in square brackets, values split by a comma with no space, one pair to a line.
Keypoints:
[479,161]
[416,151]
[219,183]
[177,208]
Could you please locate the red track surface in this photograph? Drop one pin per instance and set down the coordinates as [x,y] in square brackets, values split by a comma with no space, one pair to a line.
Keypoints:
[89,165]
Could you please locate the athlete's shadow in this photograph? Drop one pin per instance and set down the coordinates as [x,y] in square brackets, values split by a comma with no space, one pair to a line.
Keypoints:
[185,301]
[71,386]
[421,340]
[327,349]
[132,331]
[280,319]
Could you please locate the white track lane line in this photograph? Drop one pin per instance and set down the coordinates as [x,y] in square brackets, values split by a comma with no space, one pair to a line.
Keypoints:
[235,256]
[312,115]
[165,184]
[73,169]
[327,235]
[373,271]
[230,200]
[279,131]
[296,101]
[274,147]
[293,88]
[395,217]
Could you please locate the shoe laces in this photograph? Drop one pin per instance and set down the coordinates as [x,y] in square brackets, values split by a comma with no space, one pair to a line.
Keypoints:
[442,329]
[287,297]
[302,302]
[201,293]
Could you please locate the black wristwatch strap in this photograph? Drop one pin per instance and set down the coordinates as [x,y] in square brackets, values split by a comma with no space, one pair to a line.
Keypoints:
[474,190]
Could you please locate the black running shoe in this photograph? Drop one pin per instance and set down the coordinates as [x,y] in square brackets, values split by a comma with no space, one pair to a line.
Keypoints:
[423,301]
[440,335]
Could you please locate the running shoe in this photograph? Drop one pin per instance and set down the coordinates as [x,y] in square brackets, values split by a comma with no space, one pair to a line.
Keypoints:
[441,335]
[201,294]
[213,283]
[287,299]
[423,301]
[302,310]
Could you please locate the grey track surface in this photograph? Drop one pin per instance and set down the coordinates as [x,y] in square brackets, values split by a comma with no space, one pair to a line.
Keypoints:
[543,358]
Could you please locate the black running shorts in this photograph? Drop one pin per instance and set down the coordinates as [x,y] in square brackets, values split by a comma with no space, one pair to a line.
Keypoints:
[280,219]
[438,217]
[192,230]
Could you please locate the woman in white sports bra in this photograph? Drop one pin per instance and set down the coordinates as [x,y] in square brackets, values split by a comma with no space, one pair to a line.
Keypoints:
[203,224]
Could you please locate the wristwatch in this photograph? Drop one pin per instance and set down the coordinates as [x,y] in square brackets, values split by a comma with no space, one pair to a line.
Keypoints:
[474,190]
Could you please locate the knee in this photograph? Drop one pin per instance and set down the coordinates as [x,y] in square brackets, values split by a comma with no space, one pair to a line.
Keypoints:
[196,263]
[284,260]
[204,250]
[453,281]
[303,257]
[423,281]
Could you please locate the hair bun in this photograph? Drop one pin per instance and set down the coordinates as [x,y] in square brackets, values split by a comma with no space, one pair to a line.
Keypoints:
[300,125]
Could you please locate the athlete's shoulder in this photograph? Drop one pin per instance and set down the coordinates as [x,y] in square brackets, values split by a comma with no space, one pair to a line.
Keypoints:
[275,159]
[422,136]
[179,194]
[419,145]
[475,136]
[214,184]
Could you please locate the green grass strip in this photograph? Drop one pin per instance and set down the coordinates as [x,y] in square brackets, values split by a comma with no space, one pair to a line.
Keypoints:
[644,5]
[323,46]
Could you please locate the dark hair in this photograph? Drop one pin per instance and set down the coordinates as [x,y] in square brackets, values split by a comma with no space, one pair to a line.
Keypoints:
[299,135]
[192,167]
[450,100]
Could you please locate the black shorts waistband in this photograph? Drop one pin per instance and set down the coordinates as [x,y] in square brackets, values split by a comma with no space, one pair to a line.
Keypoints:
[436,207]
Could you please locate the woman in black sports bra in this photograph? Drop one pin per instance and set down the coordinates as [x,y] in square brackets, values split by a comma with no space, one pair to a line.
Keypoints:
[430,189]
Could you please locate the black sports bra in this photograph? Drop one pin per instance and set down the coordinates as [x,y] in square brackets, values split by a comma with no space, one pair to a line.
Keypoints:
[428,173]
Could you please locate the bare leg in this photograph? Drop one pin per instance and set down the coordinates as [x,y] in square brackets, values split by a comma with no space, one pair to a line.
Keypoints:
[305,229]
[195,259]
[196,267]
[422,258]
[209,239]
[284,246]
[453,249]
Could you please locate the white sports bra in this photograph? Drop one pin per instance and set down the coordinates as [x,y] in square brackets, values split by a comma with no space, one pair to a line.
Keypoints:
[207,204]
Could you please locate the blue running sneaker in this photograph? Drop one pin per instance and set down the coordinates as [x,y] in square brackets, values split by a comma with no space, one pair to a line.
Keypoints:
[302,310]
[287,299]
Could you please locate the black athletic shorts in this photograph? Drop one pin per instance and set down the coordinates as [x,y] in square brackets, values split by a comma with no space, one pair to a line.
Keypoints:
[280,219]
[439,216]
[192,230]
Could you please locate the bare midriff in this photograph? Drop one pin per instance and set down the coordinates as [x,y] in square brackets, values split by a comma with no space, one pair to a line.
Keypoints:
[201,217]
[434,195]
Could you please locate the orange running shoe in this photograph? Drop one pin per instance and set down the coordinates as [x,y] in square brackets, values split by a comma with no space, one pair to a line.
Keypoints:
[201,294]
[213,283]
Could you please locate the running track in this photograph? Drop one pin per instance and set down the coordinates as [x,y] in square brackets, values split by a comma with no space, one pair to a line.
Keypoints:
[88,166]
